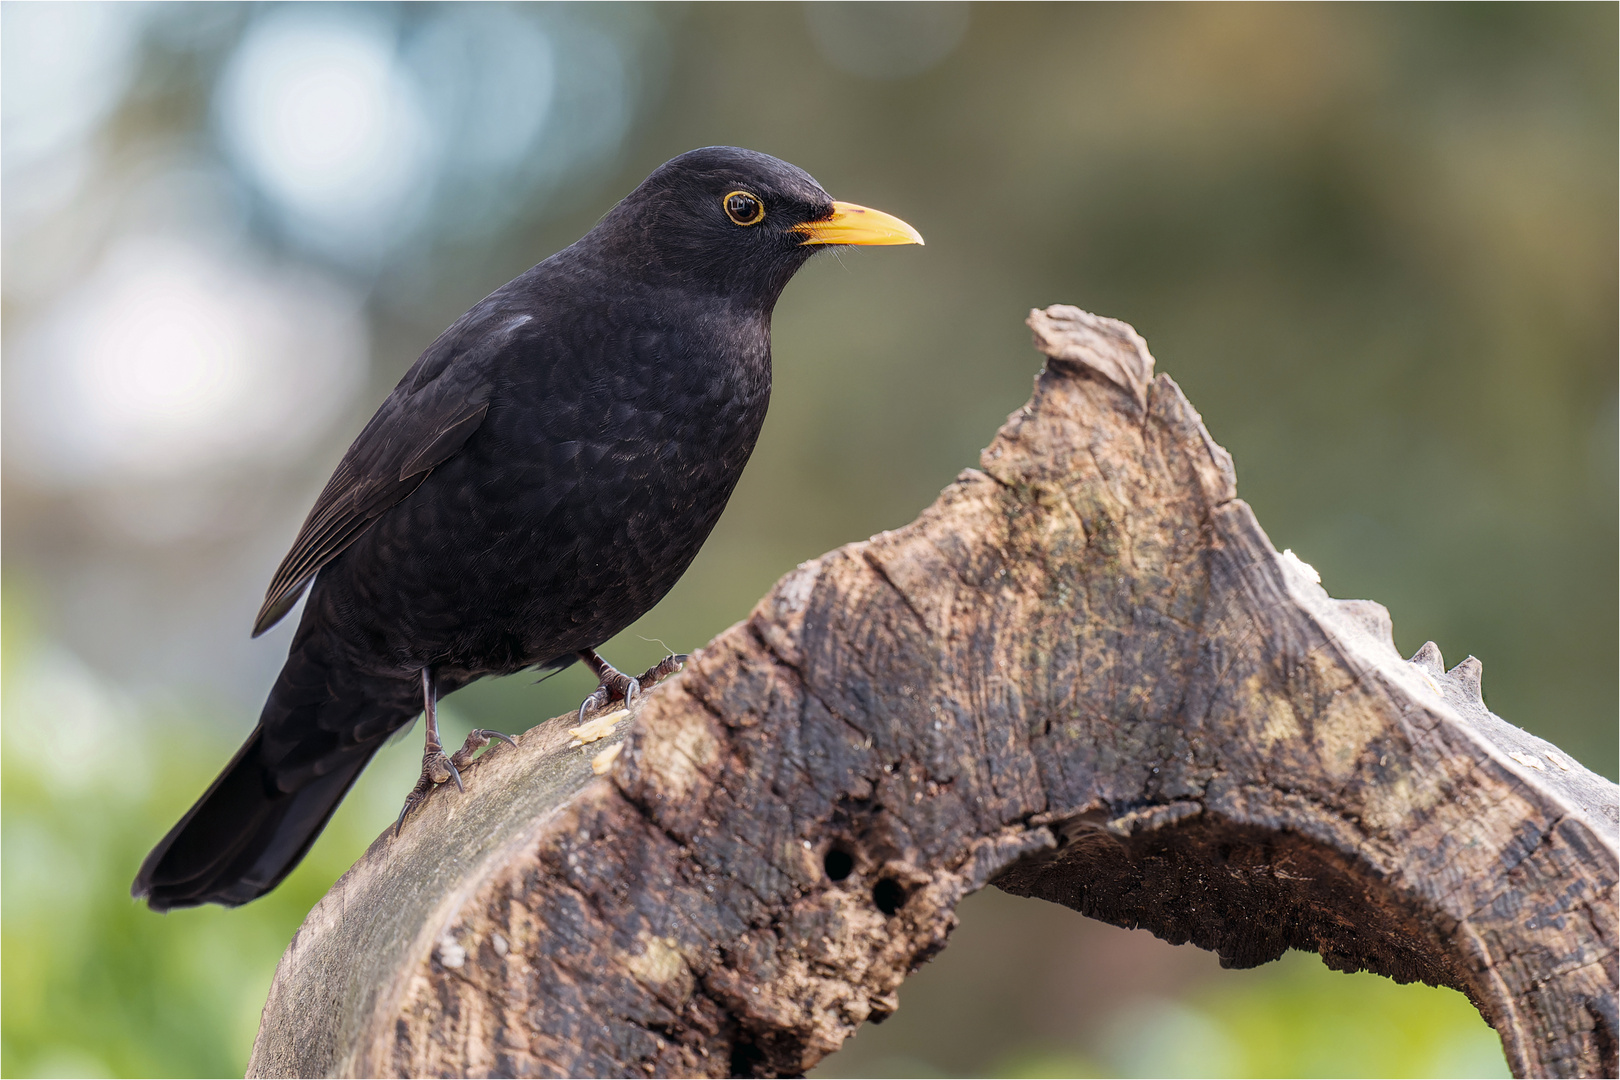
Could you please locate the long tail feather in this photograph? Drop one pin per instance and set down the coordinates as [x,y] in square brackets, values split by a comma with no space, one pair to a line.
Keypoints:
[260,816]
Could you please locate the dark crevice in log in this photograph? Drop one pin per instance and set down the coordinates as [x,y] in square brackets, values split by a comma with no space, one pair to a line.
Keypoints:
[1083,674]
[1188,881]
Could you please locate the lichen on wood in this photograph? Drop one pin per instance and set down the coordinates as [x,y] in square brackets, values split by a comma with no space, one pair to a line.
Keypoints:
[1083,674]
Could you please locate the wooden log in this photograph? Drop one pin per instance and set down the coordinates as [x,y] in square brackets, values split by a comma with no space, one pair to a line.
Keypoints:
[1083,674]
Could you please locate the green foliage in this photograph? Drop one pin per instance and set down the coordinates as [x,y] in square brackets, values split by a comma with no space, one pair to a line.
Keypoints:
[1300,1019]
[94,983]
[1293,1018]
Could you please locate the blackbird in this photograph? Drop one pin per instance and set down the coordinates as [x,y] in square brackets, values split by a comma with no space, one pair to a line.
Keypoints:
[537,481]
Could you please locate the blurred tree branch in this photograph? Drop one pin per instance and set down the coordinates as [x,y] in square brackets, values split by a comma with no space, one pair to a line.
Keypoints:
[1083,674]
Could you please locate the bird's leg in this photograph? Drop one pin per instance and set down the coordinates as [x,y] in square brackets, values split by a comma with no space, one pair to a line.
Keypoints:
[436,767]
[615,685]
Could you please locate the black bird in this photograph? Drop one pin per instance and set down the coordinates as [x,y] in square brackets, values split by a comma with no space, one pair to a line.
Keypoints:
[538,480]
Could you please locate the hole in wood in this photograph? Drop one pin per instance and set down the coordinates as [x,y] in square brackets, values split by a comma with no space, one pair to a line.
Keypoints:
[839,864]
[745,1057]
[889,895]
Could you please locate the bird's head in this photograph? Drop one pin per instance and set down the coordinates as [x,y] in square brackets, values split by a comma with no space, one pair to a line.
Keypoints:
[735,222]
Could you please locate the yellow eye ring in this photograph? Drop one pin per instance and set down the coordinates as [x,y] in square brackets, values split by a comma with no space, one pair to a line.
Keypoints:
[743,208]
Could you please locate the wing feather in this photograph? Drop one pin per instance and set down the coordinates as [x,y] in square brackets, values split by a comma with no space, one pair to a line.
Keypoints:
[427,419]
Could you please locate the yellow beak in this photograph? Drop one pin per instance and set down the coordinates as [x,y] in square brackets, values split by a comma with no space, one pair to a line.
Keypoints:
[851,224]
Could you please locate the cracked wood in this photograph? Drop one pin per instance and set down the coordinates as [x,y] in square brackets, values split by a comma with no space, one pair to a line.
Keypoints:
[1083,674]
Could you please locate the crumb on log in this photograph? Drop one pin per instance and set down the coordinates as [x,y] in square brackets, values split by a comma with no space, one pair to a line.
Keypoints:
[1083,674]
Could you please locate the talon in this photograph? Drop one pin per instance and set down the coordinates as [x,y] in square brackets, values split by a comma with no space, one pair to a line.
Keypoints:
[631,689]
[599,697]
[455,774]
[412,801]
[481,735]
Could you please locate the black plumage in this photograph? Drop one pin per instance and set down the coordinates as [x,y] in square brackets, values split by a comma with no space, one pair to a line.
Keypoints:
[539,479]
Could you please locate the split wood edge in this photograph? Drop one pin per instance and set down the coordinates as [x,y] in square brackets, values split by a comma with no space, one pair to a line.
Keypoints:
[1083,674]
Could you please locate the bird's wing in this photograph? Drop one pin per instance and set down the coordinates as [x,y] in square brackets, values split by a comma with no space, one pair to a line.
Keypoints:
[430,415]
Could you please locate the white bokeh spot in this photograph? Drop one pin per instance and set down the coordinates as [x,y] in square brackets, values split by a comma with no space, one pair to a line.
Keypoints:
[316,109]
[174,358]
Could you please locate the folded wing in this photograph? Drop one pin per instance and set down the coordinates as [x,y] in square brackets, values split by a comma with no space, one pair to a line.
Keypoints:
[428,418]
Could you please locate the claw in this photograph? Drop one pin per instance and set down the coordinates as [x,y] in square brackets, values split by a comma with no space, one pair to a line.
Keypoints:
[599,697]
[412,801]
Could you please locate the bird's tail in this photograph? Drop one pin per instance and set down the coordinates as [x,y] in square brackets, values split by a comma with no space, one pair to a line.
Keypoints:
[258,819]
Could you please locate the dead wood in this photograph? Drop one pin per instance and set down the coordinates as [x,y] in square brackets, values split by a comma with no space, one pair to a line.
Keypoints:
[1083,674]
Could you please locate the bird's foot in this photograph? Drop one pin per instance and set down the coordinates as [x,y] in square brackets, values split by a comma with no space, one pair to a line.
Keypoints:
[617,686]
[437,767]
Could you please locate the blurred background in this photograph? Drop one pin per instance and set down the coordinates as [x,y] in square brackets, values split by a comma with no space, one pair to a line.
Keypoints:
[1375,245]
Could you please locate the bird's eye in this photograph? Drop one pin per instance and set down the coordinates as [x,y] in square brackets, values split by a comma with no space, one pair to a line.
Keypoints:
[743,208]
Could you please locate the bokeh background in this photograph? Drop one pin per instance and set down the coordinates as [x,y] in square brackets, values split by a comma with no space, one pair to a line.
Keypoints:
[1376,246]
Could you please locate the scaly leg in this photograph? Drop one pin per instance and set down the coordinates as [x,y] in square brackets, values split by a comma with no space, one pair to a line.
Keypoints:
[615,685]
[436,767]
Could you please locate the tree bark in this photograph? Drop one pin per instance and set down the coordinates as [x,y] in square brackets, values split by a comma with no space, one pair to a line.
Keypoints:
[1083,674]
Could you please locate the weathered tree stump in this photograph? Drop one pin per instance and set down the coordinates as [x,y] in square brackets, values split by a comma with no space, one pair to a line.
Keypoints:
[1083,674]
